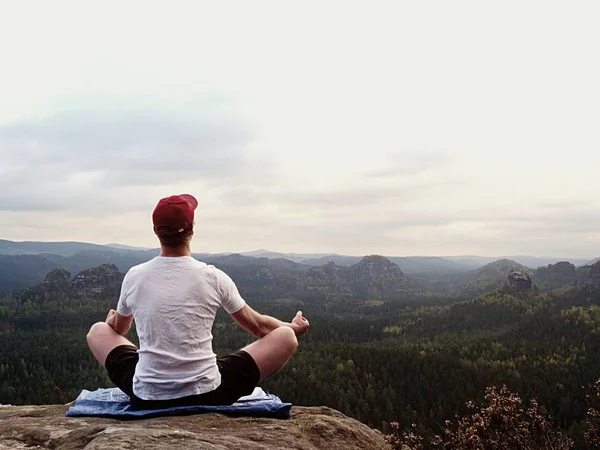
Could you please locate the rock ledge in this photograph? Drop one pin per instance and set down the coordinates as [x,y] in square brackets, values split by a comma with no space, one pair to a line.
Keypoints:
[47,427]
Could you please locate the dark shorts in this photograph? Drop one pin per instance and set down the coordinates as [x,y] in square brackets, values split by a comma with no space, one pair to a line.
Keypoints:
[239,377]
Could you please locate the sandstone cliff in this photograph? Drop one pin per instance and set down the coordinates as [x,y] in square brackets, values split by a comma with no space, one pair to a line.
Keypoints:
[46,427]
[101,281]
[518,281]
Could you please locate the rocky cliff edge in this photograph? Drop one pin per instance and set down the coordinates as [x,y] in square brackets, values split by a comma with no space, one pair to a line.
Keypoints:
[46,427]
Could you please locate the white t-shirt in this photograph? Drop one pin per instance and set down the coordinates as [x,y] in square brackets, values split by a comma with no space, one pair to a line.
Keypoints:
[174,301]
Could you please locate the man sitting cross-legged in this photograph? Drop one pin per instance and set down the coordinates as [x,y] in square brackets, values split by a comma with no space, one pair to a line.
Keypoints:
[173,299]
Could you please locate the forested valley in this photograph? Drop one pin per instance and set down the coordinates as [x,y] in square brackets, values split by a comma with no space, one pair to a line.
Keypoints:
[381,348]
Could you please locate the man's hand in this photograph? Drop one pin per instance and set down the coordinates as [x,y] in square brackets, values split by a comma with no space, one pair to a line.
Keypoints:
[299,324]
[110,318]
[121,324]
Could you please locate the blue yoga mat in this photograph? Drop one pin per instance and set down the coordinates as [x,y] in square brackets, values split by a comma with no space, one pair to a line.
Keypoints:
[114,403]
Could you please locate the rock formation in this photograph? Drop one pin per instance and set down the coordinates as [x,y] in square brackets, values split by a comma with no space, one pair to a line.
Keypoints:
[557,275]
[104,280]
[374,277]
[377,277]
[594,279]
[46,427]
[57,283]
[518,281]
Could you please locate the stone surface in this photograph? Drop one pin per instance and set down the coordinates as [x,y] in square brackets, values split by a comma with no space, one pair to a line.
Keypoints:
[102,281]
[519,281]
[47,427]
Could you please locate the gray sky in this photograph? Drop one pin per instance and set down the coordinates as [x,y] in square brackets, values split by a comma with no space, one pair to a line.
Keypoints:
[399,128]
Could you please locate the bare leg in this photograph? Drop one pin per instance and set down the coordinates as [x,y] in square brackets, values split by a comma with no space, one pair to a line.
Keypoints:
[102,339]
[273,351]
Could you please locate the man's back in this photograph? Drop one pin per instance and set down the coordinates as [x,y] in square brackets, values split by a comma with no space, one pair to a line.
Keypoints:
[174,301]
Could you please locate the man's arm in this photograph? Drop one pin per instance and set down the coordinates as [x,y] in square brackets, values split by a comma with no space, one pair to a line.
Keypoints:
[121,319]
[260,325]
[121,324]
[256,324]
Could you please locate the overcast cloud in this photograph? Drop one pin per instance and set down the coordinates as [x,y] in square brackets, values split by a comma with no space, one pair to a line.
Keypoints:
[371,127]
[99,160]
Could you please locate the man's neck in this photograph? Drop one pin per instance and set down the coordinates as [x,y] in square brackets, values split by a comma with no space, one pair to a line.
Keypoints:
[175,252]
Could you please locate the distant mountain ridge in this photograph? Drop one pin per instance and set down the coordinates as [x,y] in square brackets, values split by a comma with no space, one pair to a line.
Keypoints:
[36,248]
[498,268]
[525,260]
[429,263]
[126,247]
[421,263]
[24,264]
[373,278]
[478,281]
